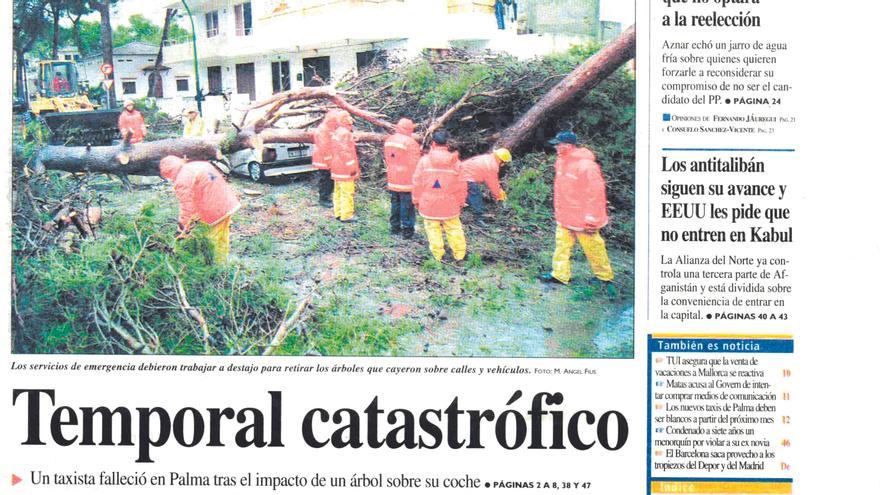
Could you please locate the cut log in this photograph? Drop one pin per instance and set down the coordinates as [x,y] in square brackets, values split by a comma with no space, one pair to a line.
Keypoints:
[138,159]
[143,158]
[585,77]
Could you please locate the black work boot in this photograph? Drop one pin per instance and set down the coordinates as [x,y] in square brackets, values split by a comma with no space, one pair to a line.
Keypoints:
[409,233]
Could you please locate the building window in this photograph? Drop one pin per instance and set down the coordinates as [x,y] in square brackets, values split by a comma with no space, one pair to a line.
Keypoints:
[183,85]
[215,80]
[129,87]
[155,82]
[280,76]
[316,71]
[243,21]
[379,58]
[212,24]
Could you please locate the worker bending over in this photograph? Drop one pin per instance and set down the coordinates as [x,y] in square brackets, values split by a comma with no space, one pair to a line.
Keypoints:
[402,154]
[131,123]
[439,192]
[322,155]
[483,169]
[204,196]
[580,210]
[344,168]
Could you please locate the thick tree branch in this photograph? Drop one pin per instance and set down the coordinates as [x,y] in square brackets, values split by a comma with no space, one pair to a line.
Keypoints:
[582,79]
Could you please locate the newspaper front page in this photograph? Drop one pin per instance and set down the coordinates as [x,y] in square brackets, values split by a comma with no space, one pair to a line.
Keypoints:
[592,246]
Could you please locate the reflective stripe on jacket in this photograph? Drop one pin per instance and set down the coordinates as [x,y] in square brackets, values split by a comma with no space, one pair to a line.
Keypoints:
[344,164]
[402,154]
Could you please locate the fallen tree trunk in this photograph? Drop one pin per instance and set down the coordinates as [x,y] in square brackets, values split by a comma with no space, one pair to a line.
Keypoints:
[585,77]
[137,159]
[143,158]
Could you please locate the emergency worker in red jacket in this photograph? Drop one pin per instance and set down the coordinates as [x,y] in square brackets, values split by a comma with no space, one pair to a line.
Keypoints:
[131,123]
[402,155]
[204,196]
[484,169]
[344,168]
[580,209]
[439,193]
[322,155]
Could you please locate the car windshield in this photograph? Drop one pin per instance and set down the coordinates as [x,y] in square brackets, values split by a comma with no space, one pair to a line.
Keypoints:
[59,78]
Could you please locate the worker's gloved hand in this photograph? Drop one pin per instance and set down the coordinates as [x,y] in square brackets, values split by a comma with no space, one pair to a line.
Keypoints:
[502,196]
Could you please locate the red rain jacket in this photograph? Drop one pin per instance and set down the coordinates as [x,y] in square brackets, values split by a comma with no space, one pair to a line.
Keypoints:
[60,84]
[579,191]
[322,152]
[132,122]
[402,154]
[483,169]
[344,166]
[202,190]
[439,192]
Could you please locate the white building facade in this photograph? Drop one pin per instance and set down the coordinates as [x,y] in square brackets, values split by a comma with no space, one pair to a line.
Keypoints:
[249,50]
[133,65]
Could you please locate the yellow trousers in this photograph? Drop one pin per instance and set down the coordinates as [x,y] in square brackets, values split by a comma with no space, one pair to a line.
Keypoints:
[454,235]
[594,249]
[343,199]
[219,236]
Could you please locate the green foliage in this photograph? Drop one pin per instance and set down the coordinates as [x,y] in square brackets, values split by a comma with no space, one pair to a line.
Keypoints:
[338,328]
[530,189]
[29,23]
[441,90]
[452,88]
[576,55]
[474,260]
[76,300]
[139,28]
[417,78]
[260,245]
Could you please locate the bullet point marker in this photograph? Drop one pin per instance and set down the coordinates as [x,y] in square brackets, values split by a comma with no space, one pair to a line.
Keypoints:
[15,480]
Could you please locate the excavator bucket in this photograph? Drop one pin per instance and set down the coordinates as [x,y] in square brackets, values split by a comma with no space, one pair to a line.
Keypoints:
[95,127]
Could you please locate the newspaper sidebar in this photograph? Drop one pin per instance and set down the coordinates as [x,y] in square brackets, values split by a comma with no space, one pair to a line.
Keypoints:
[697,397]
[723,213]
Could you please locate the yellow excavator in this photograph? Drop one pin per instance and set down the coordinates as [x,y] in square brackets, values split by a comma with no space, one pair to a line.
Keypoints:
[66,110]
